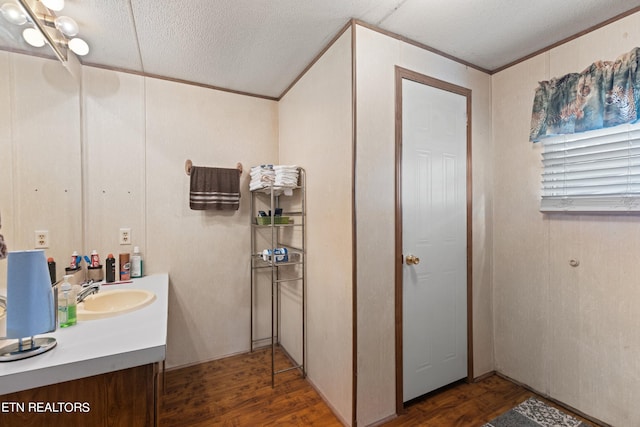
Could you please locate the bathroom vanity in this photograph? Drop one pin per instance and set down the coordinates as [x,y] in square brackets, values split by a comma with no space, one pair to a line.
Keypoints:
[103,372]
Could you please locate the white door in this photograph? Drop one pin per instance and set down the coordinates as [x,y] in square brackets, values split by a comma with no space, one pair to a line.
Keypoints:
[434,221]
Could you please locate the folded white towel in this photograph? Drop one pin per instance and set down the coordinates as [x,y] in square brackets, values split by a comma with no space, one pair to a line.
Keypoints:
[277,175]
[257,186]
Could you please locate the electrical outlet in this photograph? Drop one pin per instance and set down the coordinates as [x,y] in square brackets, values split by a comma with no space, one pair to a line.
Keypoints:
[41,239]
[125,236]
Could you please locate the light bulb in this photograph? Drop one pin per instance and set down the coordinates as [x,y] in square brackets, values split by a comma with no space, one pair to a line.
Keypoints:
[33,37]
[79,46]
[13,13]
[66,26]
[56,5]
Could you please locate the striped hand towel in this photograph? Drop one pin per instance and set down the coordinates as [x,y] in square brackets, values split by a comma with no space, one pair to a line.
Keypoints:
[214,188]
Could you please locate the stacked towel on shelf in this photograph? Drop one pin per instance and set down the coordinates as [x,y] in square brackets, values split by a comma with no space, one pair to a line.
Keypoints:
[286,175]
[264,176]
[261,177]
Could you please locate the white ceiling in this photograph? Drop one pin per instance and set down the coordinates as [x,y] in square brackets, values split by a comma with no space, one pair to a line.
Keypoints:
[261,46]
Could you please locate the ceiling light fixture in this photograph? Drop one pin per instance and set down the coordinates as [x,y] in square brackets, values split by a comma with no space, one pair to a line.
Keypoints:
[33,37]
[78,46]
[12,13]
[56,5]
[57,31]
[66,26]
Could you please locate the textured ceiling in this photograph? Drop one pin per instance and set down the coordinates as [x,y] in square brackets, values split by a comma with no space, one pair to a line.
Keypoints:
[261,46]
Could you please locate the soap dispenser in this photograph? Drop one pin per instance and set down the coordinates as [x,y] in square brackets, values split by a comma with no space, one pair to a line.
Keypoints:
[66,304]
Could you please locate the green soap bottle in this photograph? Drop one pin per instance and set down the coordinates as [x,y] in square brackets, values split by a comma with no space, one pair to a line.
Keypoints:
[67,304]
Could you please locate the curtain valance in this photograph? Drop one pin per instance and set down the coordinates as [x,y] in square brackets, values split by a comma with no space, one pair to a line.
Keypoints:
[605,94]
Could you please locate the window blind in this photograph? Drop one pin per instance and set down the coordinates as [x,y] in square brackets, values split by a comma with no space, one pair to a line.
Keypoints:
[595,171]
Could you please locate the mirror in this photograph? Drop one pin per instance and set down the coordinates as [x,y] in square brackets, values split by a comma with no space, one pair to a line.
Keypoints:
[41,161]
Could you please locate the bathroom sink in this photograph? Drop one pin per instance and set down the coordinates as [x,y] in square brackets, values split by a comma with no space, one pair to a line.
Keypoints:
[112,303]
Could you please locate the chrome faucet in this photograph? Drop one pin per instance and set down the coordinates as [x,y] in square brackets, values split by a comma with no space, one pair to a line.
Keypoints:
[88,288]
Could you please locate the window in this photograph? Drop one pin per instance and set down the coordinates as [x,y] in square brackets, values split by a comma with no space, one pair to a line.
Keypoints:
[595,171]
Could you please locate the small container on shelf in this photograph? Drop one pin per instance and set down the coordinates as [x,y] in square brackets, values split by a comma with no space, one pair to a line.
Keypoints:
[266,220]
[95,273]
[280,255]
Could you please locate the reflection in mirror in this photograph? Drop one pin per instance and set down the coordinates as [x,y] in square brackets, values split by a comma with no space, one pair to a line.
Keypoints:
[40,165]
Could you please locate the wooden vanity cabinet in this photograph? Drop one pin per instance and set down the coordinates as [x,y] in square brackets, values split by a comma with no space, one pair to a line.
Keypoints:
[126,398]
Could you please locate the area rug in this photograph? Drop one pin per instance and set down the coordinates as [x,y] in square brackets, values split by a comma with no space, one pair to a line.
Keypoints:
[534,413]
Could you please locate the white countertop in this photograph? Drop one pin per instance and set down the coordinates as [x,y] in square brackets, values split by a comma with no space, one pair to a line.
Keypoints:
[94,347]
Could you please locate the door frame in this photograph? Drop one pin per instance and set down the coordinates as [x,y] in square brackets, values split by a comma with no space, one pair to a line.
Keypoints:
[400,74]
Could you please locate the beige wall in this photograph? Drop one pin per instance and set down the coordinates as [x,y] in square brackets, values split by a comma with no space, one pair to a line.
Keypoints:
[376,57]
[206,253]
[316,133]
[113,155]
[567,332]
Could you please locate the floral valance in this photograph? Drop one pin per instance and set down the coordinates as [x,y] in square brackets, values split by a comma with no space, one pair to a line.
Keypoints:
[605,94]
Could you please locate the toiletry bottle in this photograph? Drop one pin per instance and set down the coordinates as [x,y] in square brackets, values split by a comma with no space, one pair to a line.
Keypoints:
[52,269]
[111,269]
[125,267]
[136,263]
[74,260]
[95,259]
[66,304]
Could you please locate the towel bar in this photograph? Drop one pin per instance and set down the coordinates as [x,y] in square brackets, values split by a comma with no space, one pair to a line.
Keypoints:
[189,164]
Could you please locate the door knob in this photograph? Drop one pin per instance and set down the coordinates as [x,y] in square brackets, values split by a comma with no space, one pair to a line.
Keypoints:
[412,260]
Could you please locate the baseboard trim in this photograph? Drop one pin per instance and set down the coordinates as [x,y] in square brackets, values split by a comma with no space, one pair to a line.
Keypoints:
[485,376]
[201,362]
[556,401]
[383,421]
[326,401]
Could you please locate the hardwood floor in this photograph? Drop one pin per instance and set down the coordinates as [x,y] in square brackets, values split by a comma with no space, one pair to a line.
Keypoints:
[468,404]
[236,391]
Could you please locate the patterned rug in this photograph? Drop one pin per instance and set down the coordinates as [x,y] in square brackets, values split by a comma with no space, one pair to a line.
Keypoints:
[534,413]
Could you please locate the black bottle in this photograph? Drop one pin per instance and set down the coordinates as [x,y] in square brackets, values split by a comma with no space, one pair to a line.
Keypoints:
[111,269]
[52,270]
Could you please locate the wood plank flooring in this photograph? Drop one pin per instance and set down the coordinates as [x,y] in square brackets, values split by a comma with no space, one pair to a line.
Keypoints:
[236,391]
[465,404]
